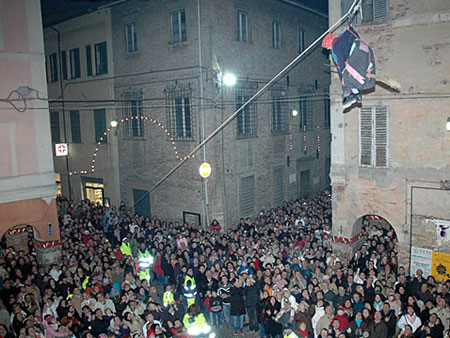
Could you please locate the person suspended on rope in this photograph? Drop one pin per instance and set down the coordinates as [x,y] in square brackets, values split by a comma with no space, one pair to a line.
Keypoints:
[355,63]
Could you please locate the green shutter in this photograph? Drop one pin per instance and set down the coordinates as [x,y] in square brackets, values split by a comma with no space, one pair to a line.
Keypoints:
[100,125]
[89,60]
[75,127]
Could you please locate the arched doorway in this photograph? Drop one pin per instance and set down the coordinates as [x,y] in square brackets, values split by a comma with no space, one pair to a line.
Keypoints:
[19,238]
[374,227]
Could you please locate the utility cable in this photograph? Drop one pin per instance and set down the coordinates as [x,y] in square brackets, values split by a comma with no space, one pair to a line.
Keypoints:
[352,10]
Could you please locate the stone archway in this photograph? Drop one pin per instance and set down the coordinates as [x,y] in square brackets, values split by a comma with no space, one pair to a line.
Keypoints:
[366,224]
[17,217]
[373,225]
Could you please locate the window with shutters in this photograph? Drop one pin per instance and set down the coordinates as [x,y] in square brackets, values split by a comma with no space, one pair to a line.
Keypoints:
[64,64]
[301,40]
[327,110]
[54,127]
[101,58]
[247,120]
[132,110]
[247,196]
[89,60]
[178,24]
[279,110]
[75,63]
[278,186]
[53,67]
[100,125]
[304,123]
[131,37]
[372,10]
[242,26]
[276,35]
[179,114]
[374,137]
[75,126]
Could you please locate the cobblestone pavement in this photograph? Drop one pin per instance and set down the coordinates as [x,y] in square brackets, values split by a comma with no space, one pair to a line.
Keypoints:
[225,332]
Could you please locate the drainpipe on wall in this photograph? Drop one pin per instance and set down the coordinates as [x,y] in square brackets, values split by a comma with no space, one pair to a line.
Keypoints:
[61,88]
[202,111]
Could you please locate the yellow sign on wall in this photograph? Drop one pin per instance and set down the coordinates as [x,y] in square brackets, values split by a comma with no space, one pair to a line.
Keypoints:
[440,266]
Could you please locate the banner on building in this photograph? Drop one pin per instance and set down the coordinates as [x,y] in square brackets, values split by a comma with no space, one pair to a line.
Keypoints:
[442,230]
[421,259]
[440,266]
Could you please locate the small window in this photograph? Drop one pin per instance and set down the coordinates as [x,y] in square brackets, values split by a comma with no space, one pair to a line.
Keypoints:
[247,196]
[247,119]
[301,40]
[242,27]
[89,60]
[101,58]
[276,35]
[279,110]
[75,63]
[64,64]
[100,125]
[374,137]
[54,127]
[133,109]
[303,114]
[75,126]
[327,110]
[178,24]
[179,114]
[131,38]
[53,67]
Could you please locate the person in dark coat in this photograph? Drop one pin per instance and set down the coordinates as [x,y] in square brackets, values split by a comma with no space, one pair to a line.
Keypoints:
[272,327]
[99,325]
[237,308]
[377,328]
[251,297]
[389,318]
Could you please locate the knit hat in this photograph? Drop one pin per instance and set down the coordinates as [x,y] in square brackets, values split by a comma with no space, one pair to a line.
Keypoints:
[328,40]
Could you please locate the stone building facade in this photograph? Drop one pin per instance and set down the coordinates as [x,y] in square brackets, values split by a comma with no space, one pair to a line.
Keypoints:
[80,72]
[169,57]
[390,158]
[27,179]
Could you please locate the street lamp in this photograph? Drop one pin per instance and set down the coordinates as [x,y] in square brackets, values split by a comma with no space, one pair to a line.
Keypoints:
[114,123]
[294,112]
[229,79]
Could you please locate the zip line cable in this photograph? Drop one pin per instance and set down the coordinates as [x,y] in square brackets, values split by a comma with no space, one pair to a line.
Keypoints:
[352,10]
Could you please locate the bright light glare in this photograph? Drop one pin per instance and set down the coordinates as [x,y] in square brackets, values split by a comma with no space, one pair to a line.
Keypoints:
[294,112]
[198,330]
[229,79]
[114,123]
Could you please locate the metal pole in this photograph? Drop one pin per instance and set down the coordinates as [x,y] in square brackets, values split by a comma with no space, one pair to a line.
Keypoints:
[225,220]
[61,88]
[202,111]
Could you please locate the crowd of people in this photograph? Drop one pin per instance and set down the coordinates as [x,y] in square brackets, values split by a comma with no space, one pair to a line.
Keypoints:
[125,275]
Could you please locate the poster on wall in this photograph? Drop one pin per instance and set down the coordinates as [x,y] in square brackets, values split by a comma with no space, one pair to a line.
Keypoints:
[421,259]
[442,230]
[440,266]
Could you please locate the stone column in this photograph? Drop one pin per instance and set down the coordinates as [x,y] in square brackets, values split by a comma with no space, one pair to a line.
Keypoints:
[18,238]
[48,253]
